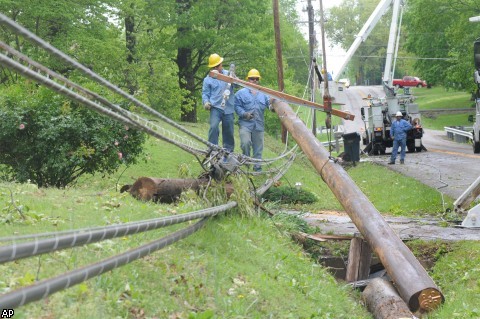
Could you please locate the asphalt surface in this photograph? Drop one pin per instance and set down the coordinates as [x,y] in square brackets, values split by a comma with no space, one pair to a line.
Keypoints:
[447,166]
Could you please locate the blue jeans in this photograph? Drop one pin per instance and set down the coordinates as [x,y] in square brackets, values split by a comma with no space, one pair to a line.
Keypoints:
[252,140]
[217,116]
[403,144]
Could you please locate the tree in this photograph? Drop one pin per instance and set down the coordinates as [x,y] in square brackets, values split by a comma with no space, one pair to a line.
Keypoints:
[46,138]
[444,44]
[52,142]
[343,24]
[233,29]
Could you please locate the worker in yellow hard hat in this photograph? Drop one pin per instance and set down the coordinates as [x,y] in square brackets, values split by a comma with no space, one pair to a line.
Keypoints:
[217,98]
[250,106]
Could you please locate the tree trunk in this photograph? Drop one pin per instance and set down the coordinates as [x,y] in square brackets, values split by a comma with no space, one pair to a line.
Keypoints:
[186,81]
[131,43]
[186,75]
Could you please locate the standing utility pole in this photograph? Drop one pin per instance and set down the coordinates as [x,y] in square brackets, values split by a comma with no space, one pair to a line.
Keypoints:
[327,99]
[278,47]
[311,43]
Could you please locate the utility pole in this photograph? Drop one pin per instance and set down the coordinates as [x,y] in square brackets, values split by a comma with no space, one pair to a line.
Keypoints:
[278,47]
[327,99]
[311,43]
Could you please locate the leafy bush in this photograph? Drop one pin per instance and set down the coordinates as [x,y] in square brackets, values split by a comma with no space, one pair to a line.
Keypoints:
[289,195]
[52,141]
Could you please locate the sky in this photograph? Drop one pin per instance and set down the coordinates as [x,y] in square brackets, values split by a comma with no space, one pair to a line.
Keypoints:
[336,54]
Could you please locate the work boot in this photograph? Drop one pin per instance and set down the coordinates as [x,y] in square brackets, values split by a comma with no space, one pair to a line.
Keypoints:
[391,162]
[402,162]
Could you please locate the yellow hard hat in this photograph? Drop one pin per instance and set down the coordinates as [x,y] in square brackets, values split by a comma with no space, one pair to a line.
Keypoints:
[253,73]
[214,60]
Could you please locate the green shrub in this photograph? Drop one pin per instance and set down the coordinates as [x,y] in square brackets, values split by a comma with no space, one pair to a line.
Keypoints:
[50,141]
[289,195]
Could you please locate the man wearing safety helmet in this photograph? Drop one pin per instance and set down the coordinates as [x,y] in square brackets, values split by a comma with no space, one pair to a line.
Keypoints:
[398,132]
[217,97]
[250,106]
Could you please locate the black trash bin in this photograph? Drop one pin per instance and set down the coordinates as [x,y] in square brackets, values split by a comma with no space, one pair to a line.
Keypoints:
[351,143]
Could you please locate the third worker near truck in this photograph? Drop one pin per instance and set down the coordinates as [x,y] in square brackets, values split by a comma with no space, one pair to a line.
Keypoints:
[250,106]
[398,132]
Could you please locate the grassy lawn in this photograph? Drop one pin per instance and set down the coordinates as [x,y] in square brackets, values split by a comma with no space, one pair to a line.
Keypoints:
[439,98]
[237,266]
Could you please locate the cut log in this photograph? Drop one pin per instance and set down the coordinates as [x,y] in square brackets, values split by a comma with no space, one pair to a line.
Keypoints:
[383,301]
[163,190]
[166,190]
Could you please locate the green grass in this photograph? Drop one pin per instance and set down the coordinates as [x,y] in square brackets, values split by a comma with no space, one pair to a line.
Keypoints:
[457,274]
[397,195]
[438,122]
[235,267]
[439,98]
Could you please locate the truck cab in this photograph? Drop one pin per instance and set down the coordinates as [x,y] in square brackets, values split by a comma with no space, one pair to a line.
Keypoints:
[476,77]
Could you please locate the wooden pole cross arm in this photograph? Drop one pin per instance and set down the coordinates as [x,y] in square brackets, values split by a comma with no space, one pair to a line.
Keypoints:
[281,96]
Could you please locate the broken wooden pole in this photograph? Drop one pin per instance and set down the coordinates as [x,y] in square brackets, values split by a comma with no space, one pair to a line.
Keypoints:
[413,283]
[359,258]
[383,301]
[471,193]
[164,190]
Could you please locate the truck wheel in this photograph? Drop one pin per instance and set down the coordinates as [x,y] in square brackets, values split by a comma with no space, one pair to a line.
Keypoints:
[476,147]
[365,140]
[397,86]
[411,146]
[419,85]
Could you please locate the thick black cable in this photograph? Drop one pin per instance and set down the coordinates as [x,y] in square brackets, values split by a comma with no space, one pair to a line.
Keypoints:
[9,63]
[317,71]
[47,287]
[18,29]
[82,237]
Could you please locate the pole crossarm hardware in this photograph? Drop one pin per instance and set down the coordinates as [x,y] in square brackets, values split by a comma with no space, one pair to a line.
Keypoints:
[280,95]
[414,284]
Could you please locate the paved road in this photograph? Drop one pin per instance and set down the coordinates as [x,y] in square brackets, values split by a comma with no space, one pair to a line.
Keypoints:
[405,228]
[448,166]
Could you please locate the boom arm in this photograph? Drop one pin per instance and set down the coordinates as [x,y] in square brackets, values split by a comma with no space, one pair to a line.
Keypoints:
[372,21]
[392,39]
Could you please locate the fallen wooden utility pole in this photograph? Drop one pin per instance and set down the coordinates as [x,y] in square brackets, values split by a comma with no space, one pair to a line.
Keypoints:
[412,281]
[282,96]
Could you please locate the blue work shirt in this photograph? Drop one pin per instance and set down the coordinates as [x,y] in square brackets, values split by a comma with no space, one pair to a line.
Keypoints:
[246,101]
[213,91]
[398,130]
